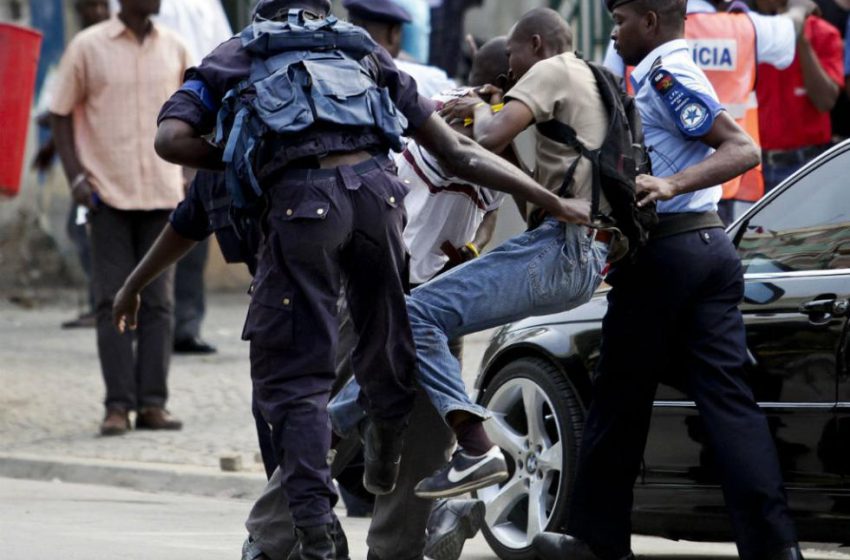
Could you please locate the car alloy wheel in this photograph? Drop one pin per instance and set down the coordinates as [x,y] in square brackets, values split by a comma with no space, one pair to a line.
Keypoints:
[537,421]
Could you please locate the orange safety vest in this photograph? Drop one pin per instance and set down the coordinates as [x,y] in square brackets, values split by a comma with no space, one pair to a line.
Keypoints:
[723,45]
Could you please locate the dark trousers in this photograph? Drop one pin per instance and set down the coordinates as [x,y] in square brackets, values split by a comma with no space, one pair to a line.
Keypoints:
[674,315]
[323,225]
[79,236]
[397,529]
[134,377]
[189,297]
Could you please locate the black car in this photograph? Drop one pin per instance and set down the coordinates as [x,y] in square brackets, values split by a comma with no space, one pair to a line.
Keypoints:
[535,377]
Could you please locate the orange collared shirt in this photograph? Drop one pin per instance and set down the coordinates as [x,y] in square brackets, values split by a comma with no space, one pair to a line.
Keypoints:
[114,86]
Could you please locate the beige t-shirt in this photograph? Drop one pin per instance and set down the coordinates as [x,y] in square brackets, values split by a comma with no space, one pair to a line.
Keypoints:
[563,88]
[114,87]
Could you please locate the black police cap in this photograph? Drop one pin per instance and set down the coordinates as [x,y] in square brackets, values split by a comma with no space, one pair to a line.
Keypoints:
[377,10]
[611,4]
[269,9]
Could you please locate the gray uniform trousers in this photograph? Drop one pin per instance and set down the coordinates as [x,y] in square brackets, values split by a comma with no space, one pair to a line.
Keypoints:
[397,530]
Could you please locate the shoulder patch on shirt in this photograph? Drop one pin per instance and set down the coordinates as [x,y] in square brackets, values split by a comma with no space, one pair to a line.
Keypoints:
[200,90]
[692,112]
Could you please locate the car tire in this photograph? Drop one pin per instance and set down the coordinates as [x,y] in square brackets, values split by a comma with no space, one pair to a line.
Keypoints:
[541,454]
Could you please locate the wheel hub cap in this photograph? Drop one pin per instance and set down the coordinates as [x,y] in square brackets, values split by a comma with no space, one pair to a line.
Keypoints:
[531,463]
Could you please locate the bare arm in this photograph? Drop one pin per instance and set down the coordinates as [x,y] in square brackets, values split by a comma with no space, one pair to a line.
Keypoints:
[168,248]
[63,137]
[820,87]
[485,230]
[735,153]
[799,11]
[178,142]
[493,131]
[466,159]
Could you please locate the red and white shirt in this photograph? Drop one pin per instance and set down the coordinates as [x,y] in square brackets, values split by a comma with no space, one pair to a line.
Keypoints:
[440,207]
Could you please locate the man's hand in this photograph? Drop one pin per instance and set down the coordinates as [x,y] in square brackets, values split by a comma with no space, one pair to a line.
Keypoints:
[572,210]
[494,94]
[650,189]
[125,310]
[461,108]
[83,194]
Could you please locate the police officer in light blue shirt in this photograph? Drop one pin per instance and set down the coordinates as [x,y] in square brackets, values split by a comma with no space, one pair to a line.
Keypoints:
[673,313]
[677,106]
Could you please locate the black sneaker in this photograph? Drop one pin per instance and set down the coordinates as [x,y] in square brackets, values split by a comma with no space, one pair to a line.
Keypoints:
[451,524]
[465,473]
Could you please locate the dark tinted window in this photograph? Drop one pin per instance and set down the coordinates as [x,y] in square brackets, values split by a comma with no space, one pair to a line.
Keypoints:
[807,227]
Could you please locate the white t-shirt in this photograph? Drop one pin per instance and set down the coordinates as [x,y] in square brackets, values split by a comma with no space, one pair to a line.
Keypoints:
[202,24]
[430,80]
[440,207]
[776,40]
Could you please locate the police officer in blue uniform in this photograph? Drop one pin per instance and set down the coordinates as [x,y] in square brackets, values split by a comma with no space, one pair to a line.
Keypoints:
[673,313]
[309,138]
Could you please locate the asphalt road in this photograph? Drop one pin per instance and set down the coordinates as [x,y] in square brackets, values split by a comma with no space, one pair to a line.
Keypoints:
[55,520]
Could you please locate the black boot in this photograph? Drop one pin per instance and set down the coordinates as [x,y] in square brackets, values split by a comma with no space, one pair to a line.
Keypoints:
[382,445]
[554,546]
[314,543]
[340,542]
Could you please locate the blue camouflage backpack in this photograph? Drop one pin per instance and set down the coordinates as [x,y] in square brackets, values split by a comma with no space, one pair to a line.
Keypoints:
[304,74]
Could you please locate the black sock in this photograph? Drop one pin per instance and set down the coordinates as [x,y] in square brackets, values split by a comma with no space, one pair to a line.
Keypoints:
[472,438]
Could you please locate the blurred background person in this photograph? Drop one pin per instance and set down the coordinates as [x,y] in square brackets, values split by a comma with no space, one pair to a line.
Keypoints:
[203,25]
[795,103]
[384,20]
[837,12]
[112,81]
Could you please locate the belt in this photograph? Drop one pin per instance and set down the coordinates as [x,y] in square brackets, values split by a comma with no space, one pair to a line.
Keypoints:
[670,224]
[602,235]
[792,157]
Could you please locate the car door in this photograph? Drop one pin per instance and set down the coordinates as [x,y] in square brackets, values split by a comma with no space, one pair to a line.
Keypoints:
[795,249]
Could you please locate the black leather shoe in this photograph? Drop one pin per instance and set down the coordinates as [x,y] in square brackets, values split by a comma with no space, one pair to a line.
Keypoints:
[790,553]
[250,550]
[193,345]
[339,539]
[382,445]
[451,523]
[314,543]
[555,546]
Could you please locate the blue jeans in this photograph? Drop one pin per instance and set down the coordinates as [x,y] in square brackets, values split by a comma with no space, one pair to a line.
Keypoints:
[550,269]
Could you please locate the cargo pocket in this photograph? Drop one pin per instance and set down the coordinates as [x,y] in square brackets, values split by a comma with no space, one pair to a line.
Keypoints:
[269,322]
[340,91]
[282,107]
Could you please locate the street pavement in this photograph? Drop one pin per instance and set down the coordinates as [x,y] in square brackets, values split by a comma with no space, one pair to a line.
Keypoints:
[176,503]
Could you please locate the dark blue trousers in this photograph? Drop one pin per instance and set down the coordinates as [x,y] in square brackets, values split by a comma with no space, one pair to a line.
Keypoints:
[324,226]
[673,314]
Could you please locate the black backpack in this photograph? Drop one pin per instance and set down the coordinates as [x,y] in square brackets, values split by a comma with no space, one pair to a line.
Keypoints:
[621,157]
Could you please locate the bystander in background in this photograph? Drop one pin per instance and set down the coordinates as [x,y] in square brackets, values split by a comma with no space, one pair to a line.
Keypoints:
[795,103]
[203,25]
[111,83]
[384,20]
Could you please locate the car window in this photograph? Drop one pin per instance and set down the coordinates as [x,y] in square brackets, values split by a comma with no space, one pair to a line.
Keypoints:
[806,227]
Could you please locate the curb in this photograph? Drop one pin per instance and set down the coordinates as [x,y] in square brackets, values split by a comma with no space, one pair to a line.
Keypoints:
[146,477]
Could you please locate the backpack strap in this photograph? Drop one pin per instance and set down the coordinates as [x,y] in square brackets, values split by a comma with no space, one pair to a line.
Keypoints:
[565,134]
